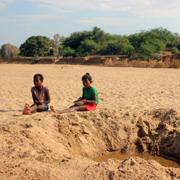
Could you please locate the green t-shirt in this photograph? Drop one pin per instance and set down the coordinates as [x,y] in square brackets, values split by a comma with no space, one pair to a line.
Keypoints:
[90,94]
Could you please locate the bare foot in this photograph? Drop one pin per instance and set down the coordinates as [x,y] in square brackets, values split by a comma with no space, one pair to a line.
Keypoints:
[27,109]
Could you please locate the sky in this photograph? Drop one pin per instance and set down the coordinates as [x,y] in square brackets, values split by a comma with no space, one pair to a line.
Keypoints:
[20,19]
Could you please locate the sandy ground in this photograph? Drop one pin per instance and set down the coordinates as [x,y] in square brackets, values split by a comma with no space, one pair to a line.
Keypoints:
[120,88]
[44,147]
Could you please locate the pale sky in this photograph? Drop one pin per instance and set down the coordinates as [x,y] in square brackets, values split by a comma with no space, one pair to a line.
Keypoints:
[20,19]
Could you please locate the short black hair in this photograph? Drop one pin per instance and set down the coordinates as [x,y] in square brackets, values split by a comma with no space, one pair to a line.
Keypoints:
[87,76]
[40,76]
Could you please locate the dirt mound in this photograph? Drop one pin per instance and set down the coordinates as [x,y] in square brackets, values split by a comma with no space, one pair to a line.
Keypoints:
[160,134]
[34,146]
[42,146]
[91,133]
[132,168]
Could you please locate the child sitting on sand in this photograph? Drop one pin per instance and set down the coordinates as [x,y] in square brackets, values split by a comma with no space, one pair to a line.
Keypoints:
[87,102]
[40,95]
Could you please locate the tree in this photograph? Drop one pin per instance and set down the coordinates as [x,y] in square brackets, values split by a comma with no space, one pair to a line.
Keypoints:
[57,41]
[97,42]
[148,43]
[75,39]
[85,42]
[9,51]
[87,47]
[67,52]
[175,50]
[98,34]
[177,43]
[117,45]
[36,46]
[149,48]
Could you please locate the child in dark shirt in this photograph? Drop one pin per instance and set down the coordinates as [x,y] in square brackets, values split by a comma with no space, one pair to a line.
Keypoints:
[40,95]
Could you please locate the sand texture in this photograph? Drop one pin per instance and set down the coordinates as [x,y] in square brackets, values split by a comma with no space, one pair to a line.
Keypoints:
[139,110]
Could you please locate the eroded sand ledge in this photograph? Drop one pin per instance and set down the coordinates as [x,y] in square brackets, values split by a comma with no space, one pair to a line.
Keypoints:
[42,146]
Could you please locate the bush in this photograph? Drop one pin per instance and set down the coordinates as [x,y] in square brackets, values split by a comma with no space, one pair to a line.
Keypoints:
[67,52]
[9,51]
[151,42]
[36,46]
[144,45]
[87,47]
[117,46]
[97,42]
[174,50]
[35,59]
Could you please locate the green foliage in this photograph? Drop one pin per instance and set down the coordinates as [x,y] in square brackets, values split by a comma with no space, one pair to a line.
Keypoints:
[116,45]
[67,52]
[87,47]
[75,39]
[35,59]
[97,42]
[150,47]
[36,46]
[148,43]
[53,52]
[177,43]
[144,45]
[175,50]
[97,35]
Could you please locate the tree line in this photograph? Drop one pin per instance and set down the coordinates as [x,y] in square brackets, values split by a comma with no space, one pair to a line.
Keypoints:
[143,45]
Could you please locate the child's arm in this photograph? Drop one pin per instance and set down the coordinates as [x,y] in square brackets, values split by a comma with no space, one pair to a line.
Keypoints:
[80,98]
[48,98]
[78,101]
[89,101]
[34,97]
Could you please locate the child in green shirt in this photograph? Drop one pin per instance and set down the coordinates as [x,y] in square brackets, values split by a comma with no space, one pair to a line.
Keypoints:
[87,102]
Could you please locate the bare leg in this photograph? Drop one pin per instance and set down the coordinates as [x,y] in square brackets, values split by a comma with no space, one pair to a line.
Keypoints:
[72,109]
[68,110]
[33,108]
[41,108]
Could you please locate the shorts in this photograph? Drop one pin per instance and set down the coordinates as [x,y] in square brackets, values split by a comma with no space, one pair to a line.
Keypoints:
[90,106]
[46,107]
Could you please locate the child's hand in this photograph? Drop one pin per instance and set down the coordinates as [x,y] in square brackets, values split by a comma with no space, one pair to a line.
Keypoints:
[75,102]
[79,103]
[84,101]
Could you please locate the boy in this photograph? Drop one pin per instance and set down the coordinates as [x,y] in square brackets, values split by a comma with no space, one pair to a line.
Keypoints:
[40,95]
